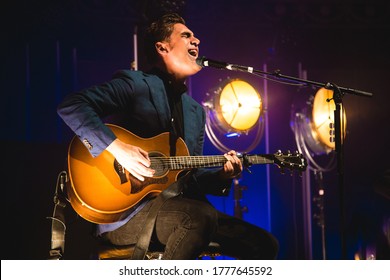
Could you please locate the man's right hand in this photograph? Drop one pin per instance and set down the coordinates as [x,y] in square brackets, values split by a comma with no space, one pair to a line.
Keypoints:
[132,158]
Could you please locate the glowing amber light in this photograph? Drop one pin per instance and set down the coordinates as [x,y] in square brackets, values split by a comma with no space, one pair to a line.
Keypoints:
[239,105]
[323,117]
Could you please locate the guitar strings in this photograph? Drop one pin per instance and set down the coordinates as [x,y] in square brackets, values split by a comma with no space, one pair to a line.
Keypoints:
[203,159]
[213,161]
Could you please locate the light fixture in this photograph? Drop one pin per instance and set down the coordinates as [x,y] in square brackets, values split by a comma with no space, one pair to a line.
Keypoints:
[315,132]
[323,118]
[238,106]
[314,128]
[234,110]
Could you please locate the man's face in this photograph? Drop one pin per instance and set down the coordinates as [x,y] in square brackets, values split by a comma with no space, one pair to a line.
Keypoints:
[181,52]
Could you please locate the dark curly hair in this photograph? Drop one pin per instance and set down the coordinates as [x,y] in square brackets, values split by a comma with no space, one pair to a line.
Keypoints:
[157,31]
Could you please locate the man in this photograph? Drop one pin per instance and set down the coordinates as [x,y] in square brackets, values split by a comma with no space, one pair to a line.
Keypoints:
[151,103]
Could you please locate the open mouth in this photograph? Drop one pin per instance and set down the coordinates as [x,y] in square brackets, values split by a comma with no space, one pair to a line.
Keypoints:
[193,53]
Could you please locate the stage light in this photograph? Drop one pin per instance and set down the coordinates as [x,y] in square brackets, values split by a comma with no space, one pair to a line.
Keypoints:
[234,110]
[314,128]
[238,106]
[323,119]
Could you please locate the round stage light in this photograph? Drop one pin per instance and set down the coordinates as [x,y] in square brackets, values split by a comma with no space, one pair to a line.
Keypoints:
[234,110]
[314,128]
[323,119]
[238,106]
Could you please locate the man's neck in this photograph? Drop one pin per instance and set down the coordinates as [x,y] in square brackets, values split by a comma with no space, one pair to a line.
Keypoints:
[174,77]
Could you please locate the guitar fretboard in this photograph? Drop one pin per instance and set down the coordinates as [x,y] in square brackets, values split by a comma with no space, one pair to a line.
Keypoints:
[183,162]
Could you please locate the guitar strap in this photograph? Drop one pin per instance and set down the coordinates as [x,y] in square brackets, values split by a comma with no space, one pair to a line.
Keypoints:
[142,245]
[58,226]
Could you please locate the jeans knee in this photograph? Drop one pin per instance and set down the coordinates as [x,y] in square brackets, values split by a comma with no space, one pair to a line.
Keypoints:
[204,219]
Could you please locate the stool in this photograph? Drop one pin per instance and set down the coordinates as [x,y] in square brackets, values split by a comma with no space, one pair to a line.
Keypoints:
[115,252]
[212,251]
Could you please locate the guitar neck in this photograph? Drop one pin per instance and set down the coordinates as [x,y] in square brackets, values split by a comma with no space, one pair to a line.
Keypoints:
[184,162]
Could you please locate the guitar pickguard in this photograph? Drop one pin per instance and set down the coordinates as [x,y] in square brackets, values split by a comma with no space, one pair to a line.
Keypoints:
[120,171]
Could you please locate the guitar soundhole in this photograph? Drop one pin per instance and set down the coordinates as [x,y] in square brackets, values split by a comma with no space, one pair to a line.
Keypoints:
[159,163]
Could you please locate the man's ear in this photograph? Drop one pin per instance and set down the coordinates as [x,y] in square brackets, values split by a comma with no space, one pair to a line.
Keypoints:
[161,47]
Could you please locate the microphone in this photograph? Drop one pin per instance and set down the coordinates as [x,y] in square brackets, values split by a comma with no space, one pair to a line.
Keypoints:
[205,62]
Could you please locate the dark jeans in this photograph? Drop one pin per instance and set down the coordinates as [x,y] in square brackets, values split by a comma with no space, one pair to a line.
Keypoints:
[185,227]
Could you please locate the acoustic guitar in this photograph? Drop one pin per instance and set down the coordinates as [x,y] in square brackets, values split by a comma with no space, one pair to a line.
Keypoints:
[101,191]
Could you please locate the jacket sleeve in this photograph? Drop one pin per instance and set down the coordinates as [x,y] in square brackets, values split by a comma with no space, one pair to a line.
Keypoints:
[209,182]
[83,111]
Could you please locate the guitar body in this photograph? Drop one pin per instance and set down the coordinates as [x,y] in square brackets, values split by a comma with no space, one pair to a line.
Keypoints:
[101,191]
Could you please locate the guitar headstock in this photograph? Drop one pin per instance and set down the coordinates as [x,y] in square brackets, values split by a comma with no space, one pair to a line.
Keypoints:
[292,161]
[287,160]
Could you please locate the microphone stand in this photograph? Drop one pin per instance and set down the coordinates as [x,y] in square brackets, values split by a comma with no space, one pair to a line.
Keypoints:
[338,93]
